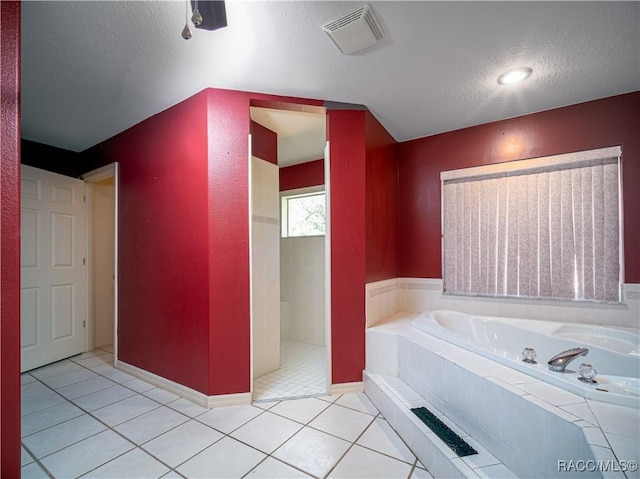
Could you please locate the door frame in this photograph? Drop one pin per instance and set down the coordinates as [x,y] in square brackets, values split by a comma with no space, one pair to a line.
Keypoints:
[90,178]
[327,262]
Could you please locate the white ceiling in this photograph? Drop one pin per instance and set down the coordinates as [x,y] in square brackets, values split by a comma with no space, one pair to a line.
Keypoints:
[92,69]
[301,135]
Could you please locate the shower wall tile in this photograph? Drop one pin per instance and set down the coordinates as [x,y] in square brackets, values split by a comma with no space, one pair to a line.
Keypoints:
[284,320]
[265,250]
[302,266]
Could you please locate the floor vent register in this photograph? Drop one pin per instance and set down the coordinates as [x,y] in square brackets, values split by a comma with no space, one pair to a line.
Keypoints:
[444,432]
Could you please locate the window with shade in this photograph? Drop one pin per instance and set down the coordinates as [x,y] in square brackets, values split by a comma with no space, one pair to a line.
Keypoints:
[544,228]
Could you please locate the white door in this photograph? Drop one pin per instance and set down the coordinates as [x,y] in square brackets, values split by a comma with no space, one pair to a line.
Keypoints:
[52,300]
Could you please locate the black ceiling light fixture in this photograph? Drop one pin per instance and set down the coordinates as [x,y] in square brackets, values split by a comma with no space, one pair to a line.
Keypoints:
[206,15]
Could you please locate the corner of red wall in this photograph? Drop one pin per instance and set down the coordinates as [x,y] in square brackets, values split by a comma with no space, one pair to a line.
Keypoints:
[229,326]
[346,132]
[163,304]
[302,175]
[10,240]
[595,124]
[381,201]
[264,143]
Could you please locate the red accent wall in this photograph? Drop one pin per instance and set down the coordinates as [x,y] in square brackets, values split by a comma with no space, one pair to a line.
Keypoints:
[163,309]
[10,240]
[346,132]
[184,249]
[601,123]
[264,143]
[302,175]
[183,241]
[381,202]
[229,332]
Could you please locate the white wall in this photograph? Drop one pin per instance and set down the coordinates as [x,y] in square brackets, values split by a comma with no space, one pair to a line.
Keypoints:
[302,282]
[103,262]
[265,267]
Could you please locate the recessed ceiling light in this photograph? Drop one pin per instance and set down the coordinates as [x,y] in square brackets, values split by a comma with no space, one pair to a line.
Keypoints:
[514,76]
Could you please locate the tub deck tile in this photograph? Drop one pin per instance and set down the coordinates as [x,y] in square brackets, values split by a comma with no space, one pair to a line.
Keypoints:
[551,394]
[441,460]
[495,471]
[581,410]
[512,389]
[551,408]
[510,376]
[585,420]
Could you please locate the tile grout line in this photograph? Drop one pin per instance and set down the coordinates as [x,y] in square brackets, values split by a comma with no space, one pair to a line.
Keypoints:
[195,418]
[269,456]
[304,425]
[36,460]
[379,415]
[297,356]
[140,446]
[348,449]
[89,413]
[108,427]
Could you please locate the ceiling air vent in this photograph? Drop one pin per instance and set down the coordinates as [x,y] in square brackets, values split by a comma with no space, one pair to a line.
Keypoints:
[354,31]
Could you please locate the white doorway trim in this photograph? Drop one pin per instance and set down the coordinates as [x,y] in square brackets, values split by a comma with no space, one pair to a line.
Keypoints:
[250,211]
[327,263]
[90,178]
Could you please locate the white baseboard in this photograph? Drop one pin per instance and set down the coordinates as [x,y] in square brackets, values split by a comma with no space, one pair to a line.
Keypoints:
[223,400]
[346,388]
[192,395]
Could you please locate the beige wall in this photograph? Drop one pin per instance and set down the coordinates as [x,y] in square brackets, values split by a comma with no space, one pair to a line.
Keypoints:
[103,262]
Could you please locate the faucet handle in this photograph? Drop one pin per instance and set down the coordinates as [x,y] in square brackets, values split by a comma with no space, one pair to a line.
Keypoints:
[529,355]
[587,373]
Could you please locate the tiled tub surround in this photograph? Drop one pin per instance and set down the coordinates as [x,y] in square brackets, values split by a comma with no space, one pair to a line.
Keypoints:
[385,298]
[520,424]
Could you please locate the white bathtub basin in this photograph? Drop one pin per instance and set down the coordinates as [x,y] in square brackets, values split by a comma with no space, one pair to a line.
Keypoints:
[613,352]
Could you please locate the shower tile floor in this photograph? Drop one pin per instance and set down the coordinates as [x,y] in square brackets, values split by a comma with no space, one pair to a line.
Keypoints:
[302,373]
[83,418]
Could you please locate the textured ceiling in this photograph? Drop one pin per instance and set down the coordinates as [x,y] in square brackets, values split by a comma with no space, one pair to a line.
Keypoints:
[93,69]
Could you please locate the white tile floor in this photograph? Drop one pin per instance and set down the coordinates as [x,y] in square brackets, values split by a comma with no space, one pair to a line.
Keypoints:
[83,418]
[302,373]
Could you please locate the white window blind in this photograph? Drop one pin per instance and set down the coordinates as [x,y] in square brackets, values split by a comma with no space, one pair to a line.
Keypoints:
[542,228]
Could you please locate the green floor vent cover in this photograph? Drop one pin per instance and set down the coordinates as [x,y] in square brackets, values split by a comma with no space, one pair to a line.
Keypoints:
[444,432]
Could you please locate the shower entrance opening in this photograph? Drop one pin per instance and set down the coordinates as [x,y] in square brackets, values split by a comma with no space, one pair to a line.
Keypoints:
[289,253]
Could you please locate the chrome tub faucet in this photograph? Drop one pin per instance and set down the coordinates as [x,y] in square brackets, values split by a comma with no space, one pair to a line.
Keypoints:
[560,360]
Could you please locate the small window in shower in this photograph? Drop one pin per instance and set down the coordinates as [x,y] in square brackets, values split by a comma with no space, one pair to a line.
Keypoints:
[303,215]
[541,228]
